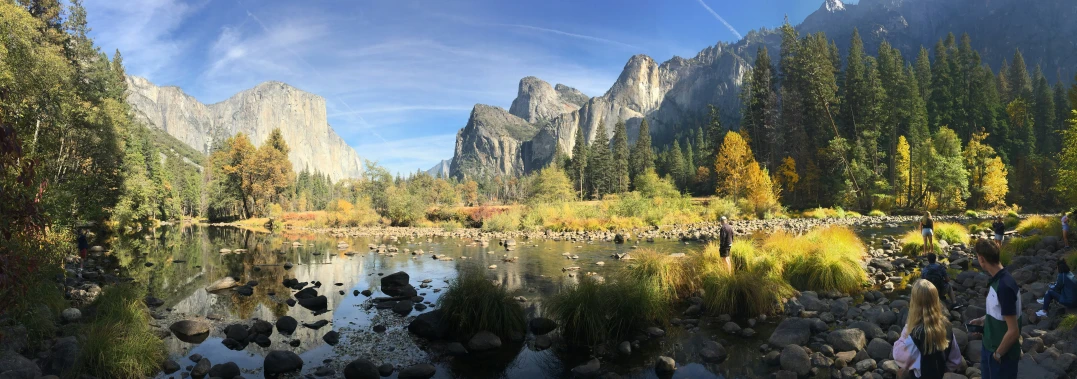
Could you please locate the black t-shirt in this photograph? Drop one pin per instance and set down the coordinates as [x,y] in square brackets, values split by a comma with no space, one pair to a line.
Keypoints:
[83,243]
[999,227]
[725,236]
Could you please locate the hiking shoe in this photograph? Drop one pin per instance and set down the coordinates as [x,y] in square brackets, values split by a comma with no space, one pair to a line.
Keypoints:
[1040,300]
[1041,313]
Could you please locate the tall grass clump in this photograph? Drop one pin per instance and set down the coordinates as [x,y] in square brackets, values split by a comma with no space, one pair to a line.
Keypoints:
[661,272]
[581,312]
[633,304]
[825,272]
[746,291]
[951,232]
[876,213]
[912,244]
[472,304]
[971,214]
[1048,226]
[119,342]
[836,241]
[37,310]
[1068,322]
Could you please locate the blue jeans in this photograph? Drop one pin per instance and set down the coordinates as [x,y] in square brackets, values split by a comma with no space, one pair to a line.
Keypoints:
[992,369]
[1050,296]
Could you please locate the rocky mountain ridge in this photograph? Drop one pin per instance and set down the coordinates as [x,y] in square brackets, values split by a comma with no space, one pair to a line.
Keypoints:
[677,92]
[300,115]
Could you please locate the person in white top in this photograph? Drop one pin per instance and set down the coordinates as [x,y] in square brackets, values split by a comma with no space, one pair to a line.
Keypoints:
[927,347]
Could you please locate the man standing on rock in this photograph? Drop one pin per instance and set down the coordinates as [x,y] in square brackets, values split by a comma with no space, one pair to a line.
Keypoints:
[84,247]
[725,238]
[1000,353]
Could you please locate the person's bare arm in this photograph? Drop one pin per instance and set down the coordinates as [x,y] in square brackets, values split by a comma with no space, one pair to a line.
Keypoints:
[1012,333]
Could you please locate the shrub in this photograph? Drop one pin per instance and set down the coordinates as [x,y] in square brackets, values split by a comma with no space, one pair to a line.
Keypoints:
[1068,322]
[876,213]
[972,214]
[506,221]
[720,206]
[951,232]
[581,312]
[1020,245]
[472,304]
[119,342]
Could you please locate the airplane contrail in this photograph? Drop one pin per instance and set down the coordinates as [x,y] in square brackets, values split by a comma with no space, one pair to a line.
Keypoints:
[715,14]
[573,35]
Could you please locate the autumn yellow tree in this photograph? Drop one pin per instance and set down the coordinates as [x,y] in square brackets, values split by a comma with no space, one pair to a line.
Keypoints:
[741,177]
[787,176]
[988,185]
[902,171]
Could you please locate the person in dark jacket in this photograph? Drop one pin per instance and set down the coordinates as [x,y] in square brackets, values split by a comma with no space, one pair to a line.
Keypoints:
[936,273]
[1064,291]
[725,241]
[84,247]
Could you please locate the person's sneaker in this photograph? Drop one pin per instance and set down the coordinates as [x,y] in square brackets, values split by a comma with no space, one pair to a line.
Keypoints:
[1041,313]
[1040,300]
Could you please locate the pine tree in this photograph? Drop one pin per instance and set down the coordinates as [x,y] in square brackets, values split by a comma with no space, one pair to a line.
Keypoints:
[760,108]
[676,164]
[641,158]
[1043,111]
[1005,87]
[1066,186]
[689,166]
[940,105]
[600,164]
[854,91]
[923,73]
[578,165]
[1020,82]
[620,158]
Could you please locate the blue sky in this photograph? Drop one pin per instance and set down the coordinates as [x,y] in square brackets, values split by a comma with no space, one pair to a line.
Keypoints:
[400,76]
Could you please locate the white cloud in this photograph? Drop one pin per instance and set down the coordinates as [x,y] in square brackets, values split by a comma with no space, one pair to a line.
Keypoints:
[143,33]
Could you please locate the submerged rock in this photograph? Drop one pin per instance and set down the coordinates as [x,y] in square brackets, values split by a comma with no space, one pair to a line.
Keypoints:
[484,340]
[280,361]
[287,324]
[419,371]
[361,369]
[221,284]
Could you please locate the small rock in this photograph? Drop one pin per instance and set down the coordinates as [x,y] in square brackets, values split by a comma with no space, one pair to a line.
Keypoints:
[665,365]
[70,315]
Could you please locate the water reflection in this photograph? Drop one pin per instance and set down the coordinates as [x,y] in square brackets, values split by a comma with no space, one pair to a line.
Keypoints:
[186,260]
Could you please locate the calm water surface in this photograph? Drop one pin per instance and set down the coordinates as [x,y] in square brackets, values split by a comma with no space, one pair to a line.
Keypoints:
[185,260]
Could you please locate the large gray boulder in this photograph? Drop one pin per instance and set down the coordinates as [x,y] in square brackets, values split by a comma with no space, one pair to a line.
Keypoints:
[190,331]
[847,339]
[222,284]
[791,331]
[795,359]
[63,356]
[224,370]
[15,366]
[879,349]
[361,369]
[587,370]
[397,284]
[429,325]
[484,340]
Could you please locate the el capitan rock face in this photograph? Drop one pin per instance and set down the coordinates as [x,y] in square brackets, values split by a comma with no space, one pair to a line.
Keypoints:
[676,93]
[301,117]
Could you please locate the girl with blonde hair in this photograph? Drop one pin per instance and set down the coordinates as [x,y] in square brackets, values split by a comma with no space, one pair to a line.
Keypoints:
[927,348]
[927,229]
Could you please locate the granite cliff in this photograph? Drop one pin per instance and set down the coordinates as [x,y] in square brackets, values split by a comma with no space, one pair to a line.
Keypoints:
[301,117]
[677,92]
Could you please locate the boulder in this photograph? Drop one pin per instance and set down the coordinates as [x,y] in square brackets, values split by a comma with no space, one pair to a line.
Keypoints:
[15,366]
[456,349]
[429,325]
[62,356]
[190,331]
[317,324]
[625,348]
[361,369]
[225,370]
[222,284]
[397,284]
[419,371]
[287,324]
[870,330]
[542,342]
[403,307]
[879,349]
[587,370]
[713,352]
[70,315]
[281,361]
[168,366]
[865,365]
[331,338]
[201,368]
[386,369]
[665,365]
[315,304]
[261,327]
[847,339]
[236,331]
[972,351]
[483,341]
[731,328]
[791,331]
[794,358]
[541,325]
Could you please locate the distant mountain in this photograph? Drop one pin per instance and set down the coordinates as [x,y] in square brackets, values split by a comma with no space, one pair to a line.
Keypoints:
[301,117]
[676,92]
[440,170]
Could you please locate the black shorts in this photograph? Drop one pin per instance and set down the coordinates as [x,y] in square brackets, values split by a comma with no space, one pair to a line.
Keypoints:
[723,252]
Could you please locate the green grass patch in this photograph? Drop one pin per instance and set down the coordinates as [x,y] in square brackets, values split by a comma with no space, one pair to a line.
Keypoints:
[747,291]
[912,244]
[1046,226]
[1068,322]
[972,214]
[876,213]
[825,272]
[118,341]
[38,309]
[473,303]
[659,271]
